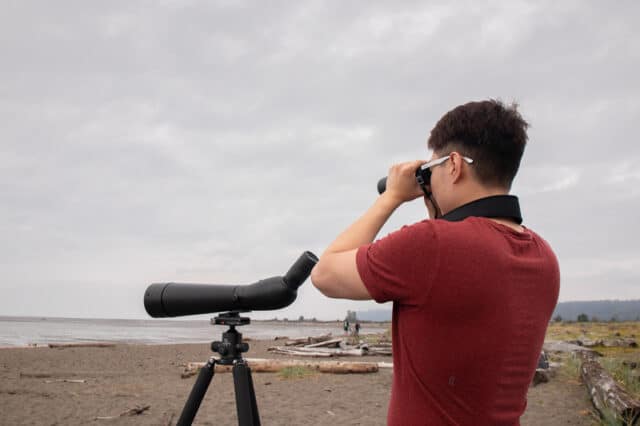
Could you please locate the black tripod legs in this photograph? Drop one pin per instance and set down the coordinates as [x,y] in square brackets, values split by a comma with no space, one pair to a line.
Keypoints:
[197,394]
[245,395]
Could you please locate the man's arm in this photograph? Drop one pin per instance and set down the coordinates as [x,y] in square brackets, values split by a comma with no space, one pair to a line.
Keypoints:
[336,273]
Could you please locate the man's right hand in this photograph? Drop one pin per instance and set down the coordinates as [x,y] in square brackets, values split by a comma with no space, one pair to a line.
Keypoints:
[401,181]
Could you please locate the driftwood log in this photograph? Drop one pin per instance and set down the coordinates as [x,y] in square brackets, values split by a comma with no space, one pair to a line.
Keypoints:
[317,351]
[606,343]
[308,340]
[138,409]
[377,350]
[299,351]
[260,365]
[331,343]
[568,347]
[607,395]
[81,345]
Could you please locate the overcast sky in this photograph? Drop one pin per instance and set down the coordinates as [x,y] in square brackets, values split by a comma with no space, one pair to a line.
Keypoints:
[214,142]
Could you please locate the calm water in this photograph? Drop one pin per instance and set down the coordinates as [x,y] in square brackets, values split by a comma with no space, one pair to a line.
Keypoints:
[22,331]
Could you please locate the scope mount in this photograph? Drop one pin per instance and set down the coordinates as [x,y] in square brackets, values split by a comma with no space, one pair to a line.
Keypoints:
[231,318]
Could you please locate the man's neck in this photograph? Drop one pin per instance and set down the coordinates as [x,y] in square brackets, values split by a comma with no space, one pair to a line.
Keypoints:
[508,222]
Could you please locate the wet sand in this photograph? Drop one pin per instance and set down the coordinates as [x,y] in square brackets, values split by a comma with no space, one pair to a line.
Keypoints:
[122,377]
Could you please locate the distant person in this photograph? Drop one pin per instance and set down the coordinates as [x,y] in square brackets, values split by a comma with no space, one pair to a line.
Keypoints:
[357,329]
[345,325]
[472,289]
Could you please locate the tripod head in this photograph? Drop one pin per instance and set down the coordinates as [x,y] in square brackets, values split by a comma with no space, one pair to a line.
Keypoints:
[231,347]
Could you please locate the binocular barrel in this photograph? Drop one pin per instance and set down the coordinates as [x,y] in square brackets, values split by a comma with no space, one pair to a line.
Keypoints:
[174,299]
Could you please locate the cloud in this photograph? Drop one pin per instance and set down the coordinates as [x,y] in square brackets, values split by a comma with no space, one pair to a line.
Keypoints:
[625,173]
[547,178]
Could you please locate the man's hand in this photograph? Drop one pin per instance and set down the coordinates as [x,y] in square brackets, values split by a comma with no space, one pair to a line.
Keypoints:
[401,182]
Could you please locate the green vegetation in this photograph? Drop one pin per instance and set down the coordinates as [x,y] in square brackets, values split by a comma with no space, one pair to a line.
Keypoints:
[296,372]
[609,418]
[571,367]
[582,318]
[622,374]
[593,330]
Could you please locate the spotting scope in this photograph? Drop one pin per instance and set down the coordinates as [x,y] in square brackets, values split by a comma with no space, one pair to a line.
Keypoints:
[175,299]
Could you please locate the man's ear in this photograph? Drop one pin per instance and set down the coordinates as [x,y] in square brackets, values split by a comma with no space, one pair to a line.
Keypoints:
[455,169]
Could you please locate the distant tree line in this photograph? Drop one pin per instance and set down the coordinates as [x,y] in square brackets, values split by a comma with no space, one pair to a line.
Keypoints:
[601,310]
[585,318]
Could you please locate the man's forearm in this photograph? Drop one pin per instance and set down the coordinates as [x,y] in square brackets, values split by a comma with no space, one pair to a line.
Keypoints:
[365,229]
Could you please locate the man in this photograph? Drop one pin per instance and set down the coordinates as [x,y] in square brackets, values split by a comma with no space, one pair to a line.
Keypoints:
[472,289]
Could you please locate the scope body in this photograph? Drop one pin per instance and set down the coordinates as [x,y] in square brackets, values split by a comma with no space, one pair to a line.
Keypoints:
[176,299]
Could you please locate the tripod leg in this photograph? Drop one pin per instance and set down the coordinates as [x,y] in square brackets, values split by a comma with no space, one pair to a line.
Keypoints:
[197,394]
[245,395]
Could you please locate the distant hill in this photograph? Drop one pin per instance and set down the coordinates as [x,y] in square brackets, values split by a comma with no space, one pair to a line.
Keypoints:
[603,310]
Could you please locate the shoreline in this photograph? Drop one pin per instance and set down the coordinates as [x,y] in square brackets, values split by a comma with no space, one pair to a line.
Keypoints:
[178,320]
[85,343]
[21,332]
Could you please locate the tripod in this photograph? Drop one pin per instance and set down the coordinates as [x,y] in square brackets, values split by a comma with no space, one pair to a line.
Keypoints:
[230,350]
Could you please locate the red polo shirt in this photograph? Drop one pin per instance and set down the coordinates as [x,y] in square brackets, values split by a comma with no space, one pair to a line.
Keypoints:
[472,301]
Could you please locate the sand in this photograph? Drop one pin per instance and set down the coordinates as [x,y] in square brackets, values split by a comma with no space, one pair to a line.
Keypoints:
[122,377]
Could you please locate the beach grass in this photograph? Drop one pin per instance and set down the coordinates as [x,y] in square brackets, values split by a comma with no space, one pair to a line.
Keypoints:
[296,372]
[563,330]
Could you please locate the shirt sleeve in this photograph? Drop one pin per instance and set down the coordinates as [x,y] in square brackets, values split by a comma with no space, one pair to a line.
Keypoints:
[401,266]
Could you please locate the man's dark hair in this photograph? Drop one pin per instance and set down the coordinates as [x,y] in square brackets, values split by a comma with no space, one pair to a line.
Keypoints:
[492,134]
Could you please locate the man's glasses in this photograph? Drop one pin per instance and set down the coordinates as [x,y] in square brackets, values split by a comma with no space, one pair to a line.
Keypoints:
[423,174]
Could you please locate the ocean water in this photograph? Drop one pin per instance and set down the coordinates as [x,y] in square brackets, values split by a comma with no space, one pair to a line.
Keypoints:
[23,331]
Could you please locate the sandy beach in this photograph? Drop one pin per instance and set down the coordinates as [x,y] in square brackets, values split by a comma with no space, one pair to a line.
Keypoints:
[125,376]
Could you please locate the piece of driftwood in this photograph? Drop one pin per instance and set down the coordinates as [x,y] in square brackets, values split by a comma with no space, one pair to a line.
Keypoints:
[379,350]
[316,351]
[544,375]
[138,409]
[52,375]
[541,376]
[567,347]
[326,344]
[606,343]
[308,340]
[606,394]
[35,375]
[66,381]
[299,351]
[623,343]
[81,345]
[261,365]
[345,351]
